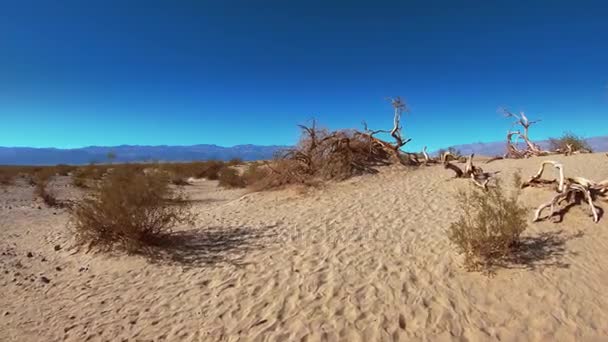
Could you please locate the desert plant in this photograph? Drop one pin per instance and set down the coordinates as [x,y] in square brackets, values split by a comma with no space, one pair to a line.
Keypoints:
[569,142]
[130,211]
[456,153]
[230,178]
[64,170]
[40,180]
[6,177]
[210,170]
[235,161]
[489,228]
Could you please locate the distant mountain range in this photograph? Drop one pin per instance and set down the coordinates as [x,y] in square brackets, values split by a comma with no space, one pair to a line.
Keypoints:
[598,144]
[128,153]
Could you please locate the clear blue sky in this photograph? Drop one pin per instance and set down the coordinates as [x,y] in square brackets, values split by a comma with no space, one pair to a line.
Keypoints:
[77,73]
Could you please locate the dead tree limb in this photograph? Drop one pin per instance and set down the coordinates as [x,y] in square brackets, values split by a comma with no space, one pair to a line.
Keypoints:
[531,149]
[570,189]
[476,174]
[427,160]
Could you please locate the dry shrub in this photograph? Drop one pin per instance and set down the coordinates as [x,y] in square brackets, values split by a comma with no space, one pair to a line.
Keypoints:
[230,178]
[488,231]
[235,162]
[130,211]
[323,155]
[568,138]
[84,177]
[41,180]
[7,177]
[64,170]
[451,150]
[210,170]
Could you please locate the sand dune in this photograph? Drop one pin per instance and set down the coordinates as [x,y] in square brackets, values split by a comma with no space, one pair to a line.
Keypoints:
[362,260]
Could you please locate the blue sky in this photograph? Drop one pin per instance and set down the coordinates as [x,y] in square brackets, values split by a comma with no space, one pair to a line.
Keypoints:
[78,73]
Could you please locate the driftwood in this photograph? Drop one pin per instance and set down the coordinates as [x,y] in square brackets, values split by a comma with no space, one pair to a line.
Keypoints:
[571,190]
[427,159]
[475,173]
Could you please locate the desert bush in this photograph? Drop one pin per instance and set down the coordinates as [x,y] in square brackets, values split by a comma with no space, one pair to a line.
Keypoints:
[64,170]
[577,143]
[7,177]
[210,170]
[129,210]
[235,161]
[230,178]
[323,155]
[452,150]
[84,176]
[40,179]
[489,228]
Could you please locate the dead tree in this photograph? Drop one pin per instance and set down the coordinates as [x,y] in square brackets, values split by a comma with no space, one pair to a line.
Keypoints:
[475,173]
[399,107]
[531,149]
[571,190]
[427,160]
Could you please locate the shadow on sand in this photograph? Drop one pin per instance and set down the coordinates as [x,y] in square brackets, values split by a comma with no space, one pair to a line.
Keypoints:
[209,246]
[543,250]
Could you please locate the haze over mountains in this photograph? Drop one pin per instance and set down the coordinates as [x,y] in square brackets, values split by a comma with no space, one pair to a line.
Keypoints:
[135,153]
[132,153]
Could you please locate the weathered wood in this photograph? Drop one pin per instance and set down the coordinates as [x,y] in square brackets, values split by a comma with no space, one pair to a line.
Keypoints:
[567,190]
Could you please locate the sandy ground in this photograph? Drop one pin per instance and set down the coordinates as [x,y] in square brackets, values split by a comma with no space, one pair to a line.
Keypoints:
[363,260]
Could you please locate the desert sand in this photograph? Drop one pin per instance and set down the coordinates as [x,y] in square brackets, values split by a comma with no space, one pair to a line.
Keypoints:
[362,260]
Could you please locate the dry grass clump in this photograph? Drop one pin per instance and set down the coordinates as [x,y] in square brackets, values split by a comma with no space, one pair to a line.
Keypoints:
[85,176]
[130,211]
[569,141]
[488,231]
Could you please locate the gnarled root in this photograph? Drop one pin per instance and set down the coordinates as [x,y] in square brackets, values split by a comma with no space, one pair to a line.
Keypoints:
[567,190]
[476,174]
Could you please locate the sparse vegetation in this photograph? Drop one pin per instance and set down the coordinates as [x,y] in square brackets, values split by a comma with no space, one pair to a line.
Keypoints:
[322,155]
[6,177]
[230,178]
[450,150]
[569,143]
[490,226]
[129,210]
[41,180]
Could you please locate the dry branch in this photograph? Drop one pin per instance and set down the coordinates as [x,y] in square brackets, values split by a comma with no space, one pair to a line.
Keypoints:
[475,173]
[572,190]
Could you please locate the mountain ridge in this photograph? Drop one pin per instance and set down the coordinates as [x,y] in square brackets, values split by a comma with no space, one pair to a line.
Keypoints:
[184,153]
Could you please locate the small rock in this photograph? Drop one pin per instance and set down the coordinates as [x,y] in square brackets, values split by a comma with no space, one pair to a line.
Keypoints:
[45,280]
[57,247]
[30,255]
[43,259]
[39,208]
[72,317]
[7,313]
[58,268]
